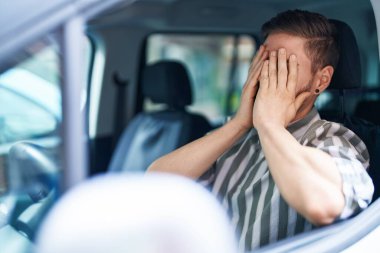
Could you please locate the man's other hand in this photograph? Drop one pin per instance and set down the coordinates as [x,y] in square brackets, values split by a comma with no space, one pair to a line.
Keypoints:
[244,115]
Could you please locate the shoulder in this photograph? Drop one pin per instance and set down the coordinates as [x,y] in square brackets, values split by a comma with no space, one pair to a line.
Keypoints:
[322,130]
[334,137]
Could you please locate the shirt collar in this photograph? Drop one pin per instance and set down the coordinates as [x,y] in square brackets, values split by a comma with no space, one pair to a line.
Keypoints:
[298,128]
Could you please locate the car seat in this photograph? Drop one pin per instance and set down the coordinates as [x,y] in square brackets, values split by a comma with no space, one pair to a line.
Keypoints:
[369,110]
[151,135]
[347,76]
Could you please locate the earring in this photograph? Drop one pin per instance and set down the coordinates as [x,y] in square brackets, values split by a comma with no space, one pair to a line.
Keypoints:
[316,91]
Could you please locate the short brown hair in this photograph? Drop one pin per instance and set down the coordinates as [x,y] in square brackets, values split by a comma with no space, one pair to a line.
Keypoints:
[321,45]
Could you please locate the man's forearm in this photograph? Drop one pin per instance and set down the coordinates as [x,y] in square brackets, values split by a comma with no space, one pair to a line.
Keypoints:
[306,177]
[193,159]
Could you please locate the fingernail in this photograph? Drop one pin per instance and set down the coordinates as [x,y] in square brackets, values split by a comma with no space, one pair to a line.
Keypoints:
[273,53]
[282,50]
[293,57]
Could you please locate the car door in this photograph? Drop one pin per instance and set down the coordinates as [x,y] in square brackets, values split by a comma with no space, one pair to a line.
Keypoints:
[42,134]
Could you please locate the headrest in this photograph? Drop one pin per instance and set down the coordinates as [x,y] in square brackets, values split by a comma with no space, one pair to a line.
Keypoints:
[167,82]
[347,74]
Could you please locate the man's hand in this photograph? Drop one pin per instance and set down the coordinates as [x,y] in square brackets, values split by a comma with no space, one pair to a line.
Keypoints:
[277,102]
[244,115]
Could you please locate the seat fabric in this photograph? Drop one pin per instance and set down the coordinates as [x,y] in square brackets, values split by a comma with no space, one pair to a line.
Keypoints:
[151,135]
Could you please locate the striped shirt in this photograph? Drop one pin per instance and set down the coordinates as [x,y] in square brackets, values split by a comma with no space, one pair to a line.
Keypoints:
[242,181]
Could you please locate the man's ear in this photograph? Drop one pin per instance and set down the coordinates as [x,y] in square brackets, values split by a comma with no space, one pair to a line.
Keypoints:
[324,76]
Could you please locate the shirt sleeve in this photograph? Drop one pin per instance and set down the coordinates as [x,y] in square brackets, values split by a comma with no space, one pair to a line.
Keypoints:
[351,158]
[208,178]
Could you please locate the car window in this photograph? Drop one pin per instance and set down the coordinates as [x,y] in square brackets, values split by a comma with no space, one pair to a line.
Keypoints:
[30,96]
[30,139]
[30,123]
[217,65]
[36,106]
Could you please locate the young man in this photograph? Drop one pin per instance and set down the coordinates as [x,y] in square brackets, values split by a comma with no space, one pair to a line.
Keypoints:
[277,168]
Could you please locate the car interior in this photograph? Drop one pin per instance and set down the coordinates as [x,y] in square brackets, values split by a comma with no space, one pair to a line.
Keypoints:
[149,23]
[151,135]
[162,73]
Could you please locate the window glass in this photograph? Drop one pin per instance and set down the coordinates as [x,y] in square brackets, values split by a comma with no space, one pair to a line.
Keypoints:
[217,65]
[28,110]
[30,141]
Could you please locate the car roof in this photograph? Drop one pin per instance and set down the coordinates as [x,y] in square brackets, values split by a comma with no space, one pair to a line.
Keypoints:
[21,22]
[242,16]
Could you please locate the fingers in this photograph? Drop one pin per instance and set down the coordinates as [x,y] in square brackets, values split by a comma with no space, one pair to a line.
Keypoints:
[282,68]
[250,88]
[255,69]
[264,55]
[280,74]
[253,77]
[256,73]
[257,62]
[264,79]
[258,56]
[273,69]
[293,73]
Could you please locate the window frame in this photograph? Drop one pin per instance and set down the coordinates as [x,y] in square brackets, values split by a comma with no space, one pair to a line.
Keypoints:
[332,238]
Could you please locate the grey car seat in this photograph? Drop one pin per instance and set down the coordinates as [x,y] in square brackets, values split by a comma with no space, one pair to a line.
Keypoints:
[348,76]
[153,134]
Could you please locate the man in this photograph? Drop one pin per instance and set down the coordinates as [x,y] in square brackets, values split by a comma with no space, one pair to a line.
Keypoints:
[277,168]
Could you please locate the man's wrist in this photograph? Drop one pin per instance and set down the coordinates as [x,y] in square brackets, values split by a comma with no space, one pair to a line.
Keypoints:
[237,126]
[267,127]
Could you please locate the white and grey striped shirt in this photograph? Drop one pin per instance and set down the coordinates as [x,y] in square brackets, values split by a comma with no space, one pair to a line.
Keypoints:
[241,180]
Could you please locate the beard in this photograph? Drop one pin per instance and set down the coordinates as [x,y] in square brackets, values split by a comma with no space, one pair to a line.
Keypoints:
[306,87]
